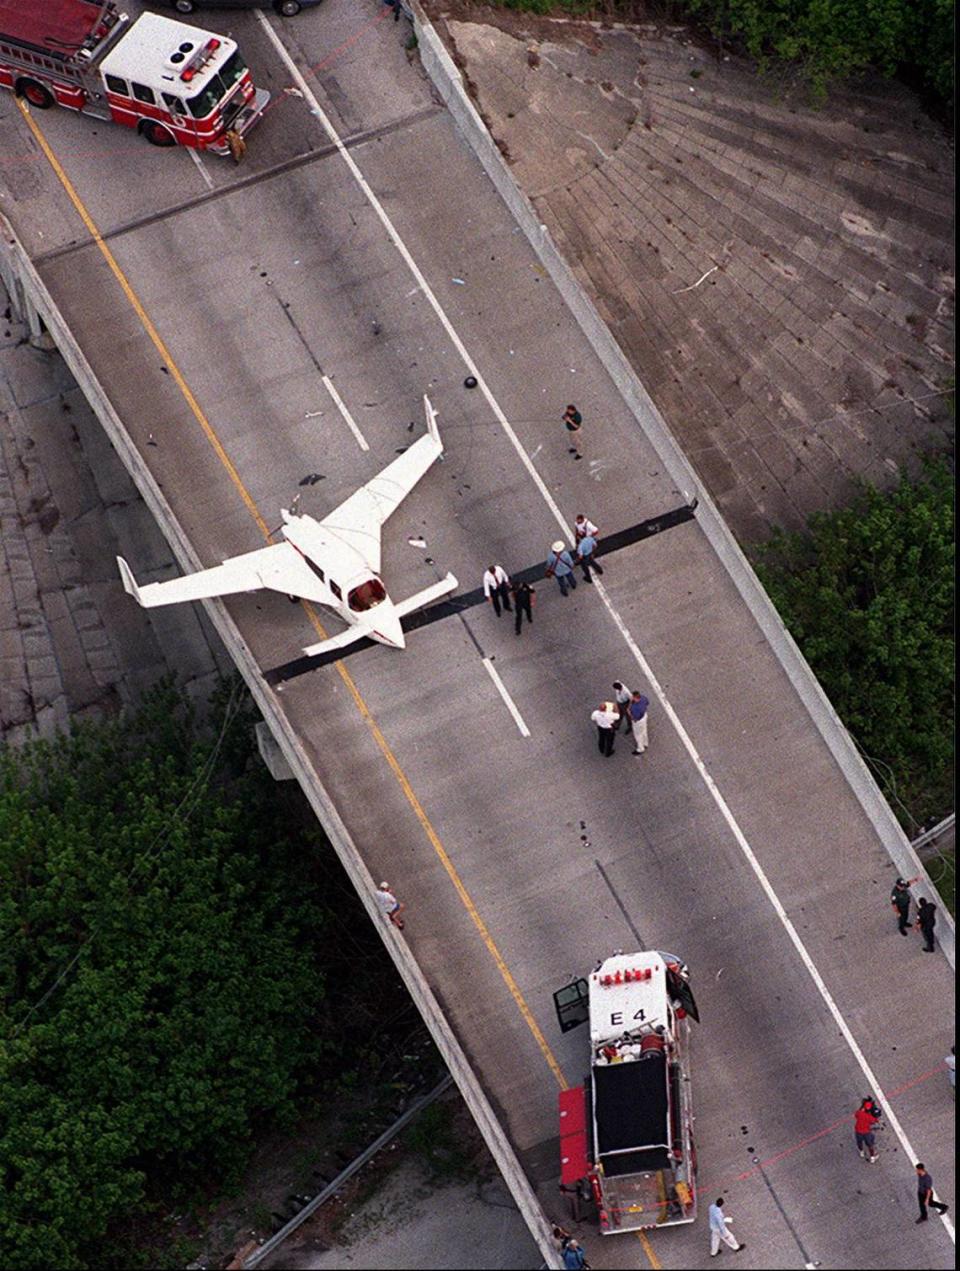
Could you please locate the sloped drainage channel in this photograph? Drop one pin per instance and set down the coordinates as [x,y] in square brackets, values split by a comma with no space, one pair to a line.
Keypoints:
[311,1205]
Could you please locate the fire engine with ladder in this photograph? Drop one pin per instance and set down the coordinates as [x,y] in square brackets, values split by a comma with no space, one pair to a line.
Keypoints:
[177,85]
[626,1134]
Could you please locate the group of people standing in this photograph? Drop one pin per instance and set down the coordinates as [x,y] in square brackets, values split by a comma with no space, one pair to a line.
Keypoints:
[561,561]
[926,912]
[498,590]
[518,598]
[628,709]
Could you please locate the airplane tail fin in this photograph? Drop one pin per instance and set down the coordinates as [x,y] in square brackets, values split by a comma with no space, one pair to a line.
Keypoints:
[129,582]
[432,428]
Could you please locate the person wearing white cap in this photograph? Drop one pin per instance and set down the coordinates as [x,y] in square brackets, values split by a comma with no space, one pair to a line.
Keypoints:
[560,566]
[389,904]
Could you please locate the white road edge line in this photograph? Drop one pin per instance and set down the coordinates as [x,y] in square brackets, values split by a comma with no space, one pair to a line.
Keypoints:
[201,168]
[869,1075]
[338,402]
[507,699]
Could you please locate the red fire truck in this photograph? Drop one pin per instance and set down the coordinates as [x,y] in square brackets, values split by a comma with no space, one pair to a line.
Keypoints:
[175,84]
[626,1134]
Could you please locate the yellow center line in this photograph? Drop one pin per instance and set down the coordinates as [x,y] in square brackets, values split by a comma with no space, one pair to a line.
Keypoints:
[345,675]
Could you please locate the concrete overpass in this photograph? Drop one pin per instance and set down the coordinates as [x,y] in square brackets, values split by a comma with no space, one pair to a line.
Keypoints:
[207,312]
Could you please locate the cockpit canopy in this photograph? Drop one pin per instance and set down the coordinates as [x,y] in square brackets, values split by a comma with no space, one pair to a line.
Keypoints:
[367,595]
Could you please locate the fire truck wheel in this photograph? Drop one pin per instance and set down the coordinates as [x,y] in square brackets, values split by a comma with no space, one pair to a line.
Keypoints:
[157,135]
[35,93]
[287,8]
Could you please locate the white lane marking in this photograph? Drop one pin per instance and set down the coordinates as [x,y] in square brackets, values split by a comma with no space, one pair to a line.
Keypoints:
[338,402]
[507,699]
[200,166]
[869,1075]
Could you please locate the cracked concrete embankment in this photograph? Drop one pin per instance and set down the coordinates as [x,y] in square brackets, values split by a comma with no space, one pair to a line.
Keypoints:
[71,643]
[781,278]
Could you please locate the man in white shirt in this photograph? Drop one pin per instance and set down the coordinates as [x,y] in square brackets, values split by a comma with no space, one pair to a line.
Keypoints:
[496,587]
[719,1230]
[606,717]
[390,906]
[582,527]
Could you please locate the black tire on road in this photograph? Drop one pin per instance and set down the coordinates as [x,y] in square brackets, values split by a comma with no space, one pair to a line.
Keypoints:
[184,6]
[287,8]
[36,94]
[157,134]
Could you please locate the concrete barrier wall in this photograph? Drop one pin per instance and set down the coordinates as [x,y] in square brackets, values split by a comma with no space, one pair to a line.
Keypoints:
[448,81]
[30,296]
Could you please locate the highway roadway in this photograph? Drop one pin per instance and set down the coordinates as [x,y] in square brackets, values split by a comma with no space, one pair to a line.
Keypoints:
[217,305]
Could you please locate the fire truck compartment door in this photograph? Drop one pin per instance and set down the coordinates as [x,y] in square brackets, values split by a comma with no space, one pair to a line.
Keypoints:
[574,1162]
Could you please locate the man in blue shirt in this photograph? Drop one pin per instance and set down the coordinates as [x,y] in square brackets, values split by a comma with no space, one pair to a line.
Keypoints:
[560,567]
[585,551]
[637,711]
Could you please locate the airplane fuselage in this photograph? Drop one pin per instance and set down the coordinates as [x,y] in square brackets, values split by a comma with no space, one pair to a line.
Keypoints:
[344,582]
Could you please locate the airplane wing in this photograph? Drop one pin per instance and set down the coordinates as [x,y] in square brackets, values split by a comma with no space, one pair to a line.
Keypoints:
[421,599]
[360,519]
[339,641]
[278,567]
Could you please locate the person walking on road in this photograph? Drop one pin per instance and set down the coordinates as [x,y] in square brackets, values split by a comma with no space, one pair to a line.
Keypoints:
[900,903]
[926,921]
[865,1120]
[582,527]
[574,422]
[606,719]
[719,1229]
[925,1193]
[496,587]
[391,907]
[523,598]
[638,708]
[560,567]
[574,1259]
[586,549]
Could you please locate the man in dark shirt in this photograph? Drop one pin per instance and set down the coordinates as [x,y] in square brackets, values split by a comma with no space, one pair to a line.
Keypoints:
[574,422]
[926,921]
[523,596]
[925,1193]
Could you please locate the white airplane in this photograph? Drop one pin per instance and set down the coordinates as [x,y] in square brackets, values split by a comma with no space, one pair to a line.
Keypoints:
[334,562]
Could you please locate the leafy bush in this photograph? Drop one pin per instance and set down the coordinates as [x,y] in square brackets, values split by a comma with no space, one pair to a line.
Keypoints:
[157,965]
[832,39]
[868,596]
[828,39]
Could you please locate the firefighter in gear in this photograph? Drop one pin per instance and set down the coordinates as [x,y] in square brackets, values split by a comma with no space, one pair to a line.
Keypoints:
[238,147]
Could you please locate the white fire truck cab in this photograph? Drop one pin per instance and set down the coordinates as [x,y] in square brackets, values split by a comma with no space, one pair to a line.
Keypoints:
[174,83]
[626,1134]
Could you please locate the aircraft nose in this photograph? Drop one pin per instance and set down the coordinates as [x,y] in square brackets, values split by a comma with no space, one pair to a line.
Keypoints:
[388,629]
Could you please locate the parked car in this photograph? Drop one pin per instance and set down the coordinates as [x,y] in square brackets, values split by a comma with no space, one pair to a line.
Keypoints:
[286,8]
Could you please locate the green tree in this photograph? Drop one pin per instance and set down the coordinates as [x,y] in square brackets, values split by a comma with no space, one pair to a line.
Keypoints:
[158,936]
[868,596]
[832,39]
